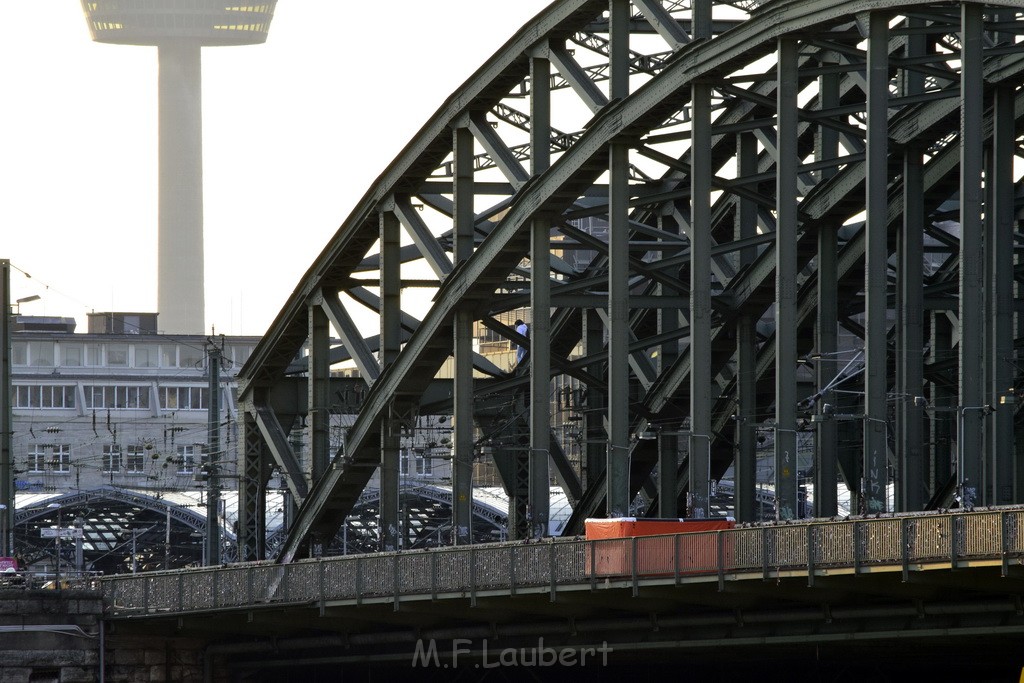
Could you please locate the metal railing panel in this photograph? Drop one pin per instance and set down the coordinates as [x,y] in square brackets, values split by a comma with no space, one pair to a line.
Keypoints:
[744,549]
[453,571]
[929,538]
[982,535]
[834,545]
[880,540]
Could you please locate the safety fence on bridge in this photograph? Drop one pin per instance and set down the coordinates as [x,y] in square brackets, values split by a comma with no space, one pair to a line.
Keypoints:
[894,543]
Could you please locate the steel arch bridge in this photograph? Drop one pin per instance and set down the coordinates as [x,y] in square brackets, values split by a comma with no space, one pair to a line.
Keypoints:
[722,219]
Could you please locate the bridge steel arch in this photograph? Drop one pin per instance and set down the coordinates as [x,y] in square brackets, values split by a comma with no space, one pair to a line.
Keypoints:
[780,183]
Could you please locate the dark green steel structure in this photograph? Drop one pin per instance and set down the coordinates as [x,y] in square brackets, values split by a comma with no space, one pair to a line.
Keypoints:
[810,217]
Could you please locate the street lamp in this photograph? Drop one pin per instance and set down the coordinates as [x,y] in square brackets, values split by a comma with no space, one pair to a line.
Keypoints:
[966,493]
[827,414]
[25,300]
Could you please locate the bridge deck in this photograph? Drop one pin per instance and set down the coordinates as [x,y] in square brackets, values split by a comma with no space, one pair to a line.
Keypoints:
[812,550]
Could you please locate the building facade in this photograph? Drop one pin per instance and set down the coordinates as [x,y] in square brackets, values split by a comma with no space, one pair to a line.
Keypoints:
[118,406]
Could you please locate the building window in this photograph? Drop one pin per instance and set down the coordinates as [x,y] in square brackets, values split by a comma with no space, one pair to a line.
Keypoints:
[40,353]
[135,460]
[111,458]
[36,459]
[117,355]
[191,357]
[403,461]
[61,461]
[184,398]
[19,353]
[145,357]
[117,397]
[45,396]
[423,462]
[93,355]
[187,459]
[55,457]
[168,356]
[71,355]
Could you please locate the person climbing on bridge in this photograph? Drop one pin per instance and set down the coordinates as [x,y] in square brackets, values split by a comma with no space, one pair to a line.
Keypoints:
[523,329]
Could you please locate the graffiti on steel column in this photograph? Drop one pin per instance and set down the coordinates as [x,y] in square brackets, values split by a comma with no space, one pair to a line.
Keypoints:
[786,512]
[874,501]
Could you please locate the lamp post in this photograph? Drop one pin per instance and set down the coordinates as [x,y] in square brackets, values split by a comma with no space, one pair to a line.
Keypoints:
[967,493]
[874,475]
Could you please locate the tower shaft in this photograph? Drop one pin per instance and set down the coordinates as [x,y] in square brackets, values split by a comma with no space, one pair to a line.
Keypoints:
[180,298]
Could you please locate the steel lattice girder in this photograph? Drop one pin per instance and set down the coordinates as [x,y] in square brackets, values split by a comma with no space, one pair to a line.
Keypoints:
[911,66]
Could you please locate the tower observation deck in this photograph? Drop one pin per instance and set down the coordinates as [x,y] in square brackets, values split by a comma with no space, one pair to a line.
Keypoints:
[179,30]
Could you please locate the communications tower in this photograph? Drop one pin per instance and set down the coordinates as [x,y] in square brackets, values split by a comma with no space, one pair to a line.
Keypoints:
[179,30]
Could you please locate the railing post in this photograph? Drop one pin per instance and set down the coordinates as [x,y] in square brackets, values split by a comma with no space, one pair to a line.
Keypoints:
[721,562]
[512,570]
[181,591]
[952,540]
[810,555]
[592,549]
[359,580]
[675,545]
[249,582]
[856,547]
[472,577]
[395,579]
[145,595]
[633,558]
[764,553]
[551,569]
[1004,545]
[321,581]
[905,547]
[433,575]
[216,587]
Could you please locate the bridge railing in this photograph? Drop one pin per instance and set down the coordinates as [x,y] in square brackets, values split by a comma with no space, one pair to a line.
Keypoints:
[898,542]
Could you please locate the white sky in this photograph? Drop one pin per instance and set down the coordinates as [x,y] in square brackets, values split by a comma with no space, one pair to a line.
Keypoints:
[295,131]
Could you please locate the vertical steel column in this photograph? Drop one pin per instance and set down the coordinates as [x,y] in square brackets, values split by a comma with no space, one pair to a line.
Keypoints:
[944,399]
[389,511]
[668,440]
[785,281]
[464,217]
[593,415]
[252,492]
[826,342]
[746,347]
[1002,221]
[213,532]
[390,341]
[701,169]
[912,493]
[540,304]
[746,426]
[6,421]
[319,390]
[390,290]
[876,268]
[618,277]
[971,411]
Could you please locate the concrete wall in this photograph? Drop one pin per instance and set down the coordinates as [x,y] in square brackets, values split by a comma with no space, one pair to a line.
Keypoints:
[49,636]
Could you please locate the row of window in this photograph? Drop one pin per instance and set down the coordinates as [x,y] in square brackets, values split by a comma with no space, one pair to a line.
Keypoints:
[57,458]
[113,397]
[419,459]
[44,353]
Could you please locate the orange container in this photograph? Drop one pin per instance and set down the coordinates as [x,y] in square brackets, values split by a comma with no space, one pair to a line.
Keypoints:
[656,544]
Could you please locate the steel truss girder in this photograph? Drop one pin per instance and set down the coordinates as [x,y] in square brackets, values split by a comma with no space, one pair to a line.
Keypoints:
[623,121]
